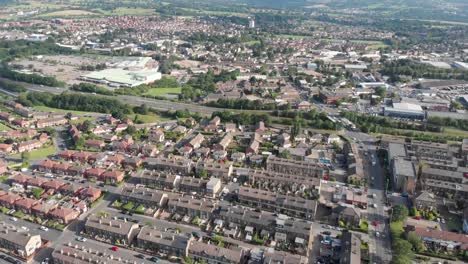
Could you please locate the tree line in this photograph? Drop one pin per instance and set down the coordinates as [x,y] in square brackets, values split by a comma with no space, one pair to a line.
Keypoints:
[12,87]
[30,78]
[78,102]
[406,67]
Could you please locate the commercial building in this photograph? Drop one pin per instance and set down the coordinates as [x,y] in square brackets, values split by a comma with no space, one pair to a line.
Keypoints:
[122,77]
[405,110]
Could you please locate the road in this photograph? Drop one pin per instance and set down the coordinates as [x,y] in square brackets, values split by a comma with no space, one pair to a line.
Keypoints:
[137,101]
[380,247]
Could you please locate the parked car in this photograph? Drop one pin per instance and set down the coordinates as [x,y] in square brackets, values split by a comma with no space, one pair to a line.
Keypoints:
[81,239]
[140,256]
[154,259]
[114,248]
[14,219]
[43,228]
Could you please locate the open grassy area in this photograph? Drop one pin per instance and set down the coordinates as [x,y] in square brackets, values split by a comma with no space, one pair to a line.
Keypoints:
[71,12]
[4,127]
[291,36]
[123,11]
[150,118]
[447,132]
[163,91]
[50,109]
[41,153]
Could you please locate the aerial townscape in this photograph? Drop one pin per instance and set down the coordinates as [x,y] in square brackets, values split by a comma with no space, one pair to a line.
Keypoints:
[234,131]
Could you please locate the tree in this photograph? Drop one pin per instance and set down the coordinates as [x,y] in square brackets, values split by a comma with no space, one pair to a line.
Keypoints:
[402,248]
[37,192]
[285,154]
[400,213]
[416,242]
[25,158]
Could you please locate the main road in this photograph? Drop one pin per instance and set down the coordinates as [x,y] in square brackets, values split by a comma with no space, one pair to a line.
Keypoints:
[137,101]
[379,234]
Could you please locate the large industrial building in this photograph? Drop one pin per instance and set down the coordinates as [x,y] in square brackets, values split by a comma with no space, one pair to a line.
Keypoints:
[404,110]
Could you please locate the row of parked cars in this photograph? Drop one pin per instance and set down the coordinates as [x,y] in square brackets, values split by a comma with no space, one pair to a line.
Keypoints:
[10,259]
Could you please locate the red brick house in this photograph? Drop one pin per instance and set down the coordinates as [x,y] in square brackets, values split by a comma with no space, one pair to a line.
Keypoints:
[80,156]
[63,215]
[53,185]
[60,168]
[66,154]
[20,122]
[37,182]
[6,148]
[29,145]
[90,193]
[113,176]
[3,167]
[42,209]
[94,173]
[9,200]
[46,165]
[133,162]
[25,205]
[20,179]
[95,144]
[70,189]
[116,159]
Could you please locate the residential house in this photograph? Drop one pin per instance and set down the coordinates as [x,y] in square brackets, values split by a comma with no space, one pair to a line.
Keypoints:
[63,215]
[175,165]
[145,196]
[303,168]
[193,207]
[157,241]
[9,200]
[18,243]
[111,229]
[196,141]
[211,253]
[25,205]
[113,176]
[438,240]
[95,144]
[29,145]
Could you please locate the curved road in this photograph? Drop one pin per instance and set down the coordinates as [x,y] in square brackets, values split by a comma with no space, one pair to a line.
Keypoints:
[137,101]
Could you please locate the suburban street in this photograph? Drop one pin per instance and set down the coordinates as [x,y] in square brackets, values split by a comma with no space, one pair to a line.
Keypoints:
[380,247]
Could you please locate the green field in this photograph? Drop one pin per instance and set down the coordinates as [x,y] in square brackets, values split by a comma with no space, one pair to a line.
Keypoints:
[71,12]
[150,118]
[163,91]
[38,153]
[122,11]
[291,36]
[4,127]
[50,109]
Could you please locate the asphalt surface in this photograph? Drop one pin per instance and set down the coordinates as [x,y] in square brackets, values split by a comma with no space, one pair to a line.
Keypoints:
[137,101]
[379,246]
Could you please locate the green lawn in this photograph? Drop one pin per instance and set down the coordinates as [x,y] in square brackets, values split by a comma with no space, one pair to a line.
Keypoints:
[50,109]
[163,91]
[123,11]
[39,153]
[4,178]
[151,118]
[291,36]
[3,127]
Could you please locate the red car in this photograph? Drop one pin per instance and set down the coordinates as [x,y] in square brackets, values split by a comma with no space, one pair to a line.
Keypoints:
[417,217]
[114,248]
[375,223]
